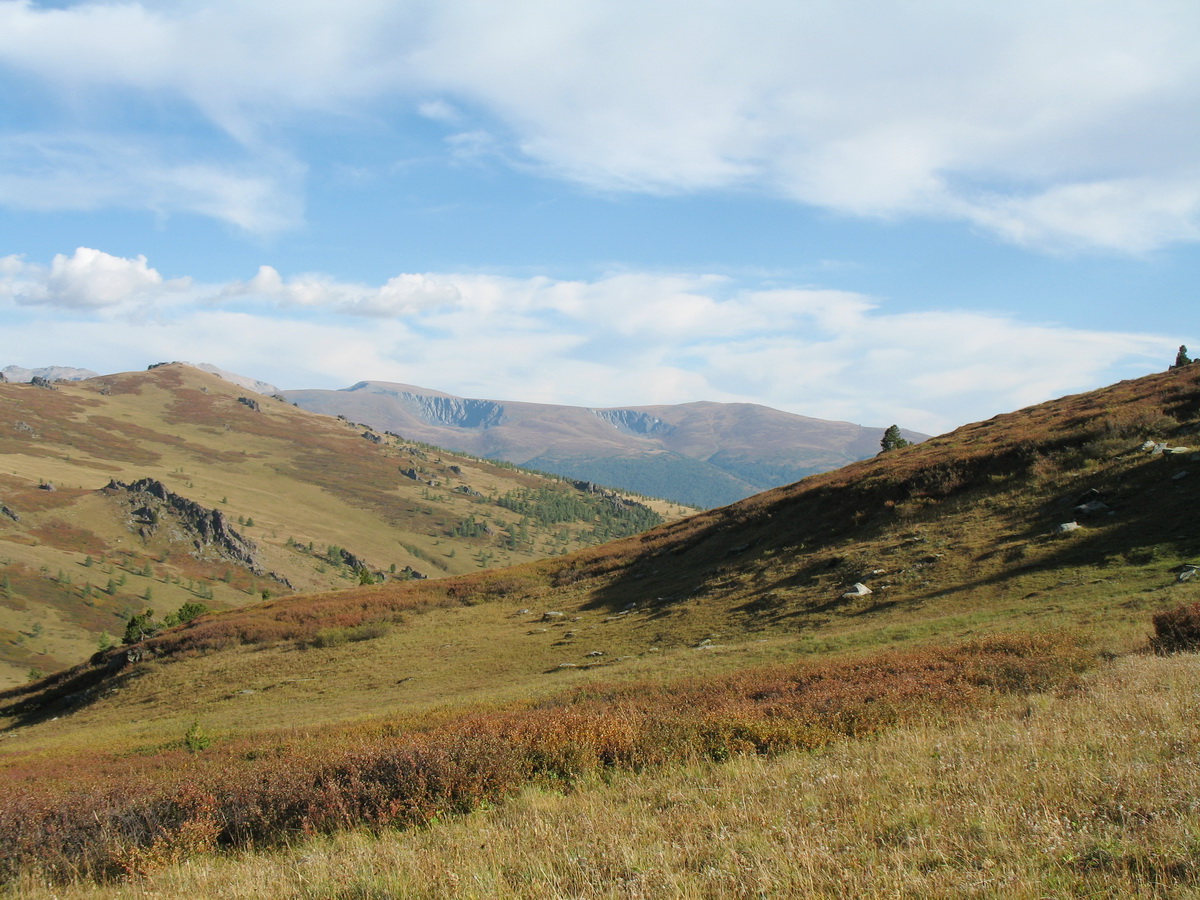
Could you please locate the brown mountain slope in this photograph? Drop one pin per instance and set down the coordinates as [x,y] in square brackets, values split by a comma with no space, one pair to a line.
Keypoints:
[246,495]
[949,539]
[705,454]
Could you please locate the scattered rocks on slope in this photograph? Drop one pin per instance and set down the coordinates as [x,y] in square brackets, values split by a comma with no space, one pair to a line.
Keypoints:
[9,512]
[249,402]
[859,590]
[1066,527]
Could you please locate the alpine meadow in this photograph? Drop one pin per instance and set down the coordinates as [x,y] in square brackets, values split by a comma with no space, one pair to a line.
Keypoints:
[934,671]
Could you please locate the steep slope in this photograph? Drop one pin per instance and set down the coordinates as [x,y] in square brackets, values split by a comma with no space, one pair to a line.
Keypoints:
[703,454]
[173,486]
[958,536]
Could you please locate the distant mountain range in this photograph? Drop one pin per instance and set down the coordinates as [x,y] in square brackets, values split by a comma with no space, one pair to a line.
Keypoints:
[17,374]
[703,454]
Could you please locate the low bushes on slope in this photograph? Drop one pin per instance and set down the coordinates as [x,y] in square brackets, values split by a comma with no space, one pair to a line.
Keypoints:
[98,816]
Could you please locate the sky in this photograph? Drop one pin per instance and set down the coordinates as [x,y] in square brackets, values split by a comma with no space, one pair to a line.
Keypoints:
[918,212]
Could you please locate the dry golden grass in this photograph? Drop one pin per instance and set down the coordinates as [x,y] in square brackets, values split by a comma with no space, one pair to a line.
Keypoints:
[1089,792]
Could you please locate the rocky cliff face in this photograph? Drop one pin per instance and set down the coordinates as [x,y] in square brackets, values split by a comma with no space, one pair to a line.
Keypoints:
[152,509]
[456,412]
[633,421]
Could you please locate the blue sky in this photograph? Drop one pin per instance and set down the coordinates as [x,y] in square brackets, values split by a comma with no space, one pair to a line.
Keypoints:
[925,213]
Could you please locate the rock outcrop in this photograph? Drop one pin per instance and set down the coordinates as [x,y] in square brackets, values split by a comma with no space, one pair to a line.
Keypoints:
[152,508]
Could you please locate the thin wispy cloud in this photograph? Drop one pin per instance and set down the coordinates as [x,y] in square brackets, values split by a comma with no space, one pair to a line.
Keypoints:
[1079,136]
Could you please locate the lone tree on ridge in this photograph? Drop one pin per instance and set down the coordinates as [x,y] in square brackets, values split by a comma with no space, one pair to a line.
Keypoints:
[892,439]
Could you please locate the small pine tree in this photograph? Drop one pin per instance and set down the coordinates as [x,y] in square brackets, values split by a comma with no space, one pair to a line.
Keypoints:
[140,626]
[892,439]
[1182,358]
[195,739]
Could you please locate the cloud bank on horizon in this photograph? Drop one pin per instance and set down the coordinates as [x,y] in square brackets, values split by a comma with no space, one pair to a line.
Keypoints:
[626,339]
[1058,130]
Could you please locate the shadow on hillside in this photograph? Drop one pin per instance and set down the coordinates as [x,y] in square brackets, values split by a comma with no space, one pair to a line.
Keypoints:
[62,693]
[1153,519]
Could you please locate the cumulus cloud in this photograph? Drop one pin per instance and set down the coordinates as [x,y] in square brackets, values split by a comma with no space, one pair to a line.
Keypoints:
[404,294]
[87,280]
[1060,124]
[631,338]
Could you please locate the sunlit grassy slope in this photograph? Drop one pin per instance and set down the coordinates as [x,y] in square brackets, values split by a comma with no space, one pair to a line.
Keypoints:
[713,631]
[955,537]
[77,563]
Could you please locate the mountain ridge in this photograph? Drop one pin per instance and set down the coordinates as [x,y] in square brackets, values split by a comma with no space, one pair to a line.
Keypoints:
[702,453]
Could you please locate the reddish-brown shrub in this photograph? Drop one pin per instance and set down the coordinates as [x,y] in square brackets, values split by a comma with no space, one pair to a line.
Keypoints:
[1177,630]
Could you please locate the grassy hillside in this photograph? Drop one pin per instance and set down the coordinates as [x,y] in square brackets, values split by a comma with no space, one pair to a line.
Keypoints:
[77,559]
[733,632]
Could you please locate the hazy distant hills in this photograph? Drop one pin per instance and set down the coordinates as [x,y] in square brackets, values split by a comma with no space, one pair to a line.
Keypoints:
[50,373]
[703,454]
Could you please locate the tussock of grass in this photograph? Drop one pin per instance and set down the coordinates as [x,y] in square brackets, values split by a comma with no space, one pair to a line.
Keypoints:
[251,793]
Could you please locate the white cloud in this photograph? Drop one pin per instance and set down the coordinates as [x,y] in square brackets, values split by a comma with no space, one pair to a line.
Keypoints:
[1056,123]
[87,280]
[631,338]
[402,295]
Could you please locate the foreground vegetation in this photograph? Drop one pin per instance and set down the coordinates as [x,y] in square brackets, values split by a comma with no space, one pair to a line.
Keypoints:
[143,810]
[1087,790]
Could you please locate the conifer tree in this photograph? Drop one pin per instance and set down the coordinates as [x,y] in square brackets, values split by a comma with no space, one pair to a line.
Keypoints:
[892,439]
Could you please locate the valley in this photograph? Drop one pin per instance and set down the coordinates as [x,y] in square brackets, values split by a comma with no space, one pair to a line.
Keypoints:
[953,594]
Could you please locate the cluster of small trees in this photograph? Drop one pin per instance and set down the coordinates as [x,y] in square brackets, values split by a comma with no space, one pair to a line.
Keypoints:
[142,625]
